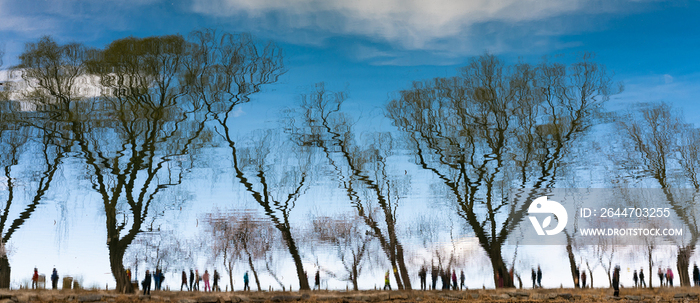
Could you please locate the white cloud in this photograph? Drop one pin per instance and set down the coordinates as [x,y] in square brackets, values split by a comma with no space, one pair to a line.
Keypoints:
[238,112]
[414,32]
[414,24]
[668,79]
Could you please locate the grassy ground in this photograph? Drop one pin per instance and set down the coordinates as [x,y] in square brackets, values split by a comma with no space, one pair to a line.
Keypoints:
[677,294]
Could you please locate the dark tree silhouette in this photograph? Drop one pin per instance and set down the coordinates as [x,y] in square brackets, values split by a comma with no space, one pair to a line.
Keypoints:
[497,127]
[33,178]
[132,132]
[31,118]
[663,148]
[361,169]
[224,72]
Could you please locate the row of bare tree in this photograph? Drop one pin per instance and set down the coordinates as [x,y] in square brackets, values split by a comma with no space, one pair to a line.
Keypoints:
[160,100]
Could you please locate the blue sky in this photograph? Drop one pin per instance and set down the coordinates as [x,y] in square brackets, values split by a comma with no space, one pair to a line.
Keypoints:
[373,48]
[376,47]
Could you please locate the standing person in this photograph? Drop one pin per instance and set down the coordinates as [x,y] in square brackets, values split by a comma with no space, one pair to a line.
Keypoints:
[162,278]
[35,278]
[245,282]
[423,274]
[583,279]
[128,274]
[616,281]
[317,280]
[635,278]
[206,281]
[386,281]
[191,279]
[454,280]
[539,276]
[576,278]
[661,277]
[184,281]
[197,278]
[642,283]
[669,274]
[434,275]
[146,283]
[215,286]
[461,277]
[534,278]
[156,279]
[54,279]
[696,275]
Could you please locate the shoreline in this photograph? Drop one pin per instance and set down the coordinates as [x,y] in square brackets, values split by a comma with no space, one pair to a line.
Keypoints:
[663,294]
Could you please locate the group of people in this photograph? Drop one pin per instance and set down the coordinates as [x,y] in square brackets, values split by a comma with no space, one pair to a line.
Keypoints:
[54,279]
[666,277]
[537,277]
[195,278]
[639,278]
[447,276]
[158,277]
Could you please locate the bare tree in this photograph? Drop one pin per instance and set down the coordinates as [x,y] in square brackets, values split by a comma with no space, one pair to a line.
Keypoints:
[605,251]
[221,240]
[225,70]
[362,169]
[350,239]
[664,149]
[160,249]
[240,235]
[20,178]
[496,126]
[132,135]
[276,173]
[24,132]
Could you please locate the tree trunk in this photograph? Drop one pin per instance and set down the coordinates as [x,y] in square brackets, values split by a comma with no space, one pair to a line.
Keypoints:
[683,264]
[392,260]
[4,272]
[229,267]
[255,273]
[651,273]
[354,277]
[572,260]
[116,263]
[405,277]
[355,267]
[294,251]
[499,267]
